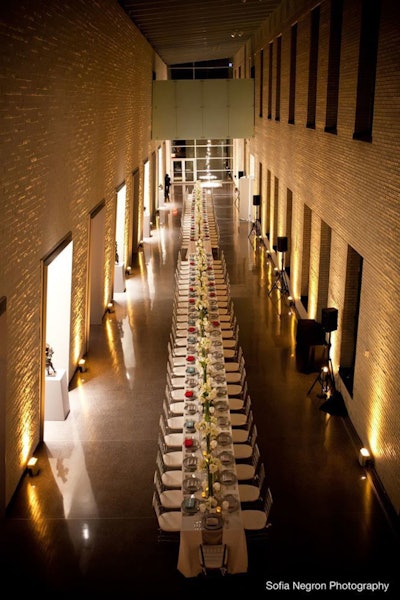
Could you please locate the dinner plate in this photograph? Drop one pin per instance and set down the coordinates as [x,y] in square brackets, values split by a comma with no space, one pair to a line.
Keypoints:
[227,478]
[212,522]
[221,391]
[216,343]
[217,355]
[215,333]
[190,463]
[190,409]
[191,485]
[226,458]
[219,378]
[190,506]
[219,366]
[223,421]
[224,439]
[233,502]
[221,405]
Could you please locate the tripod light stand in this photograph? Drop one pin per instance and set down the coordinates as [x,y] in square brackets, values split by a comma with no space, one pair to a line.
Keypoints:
[280,283]
[256,225]
[326,378]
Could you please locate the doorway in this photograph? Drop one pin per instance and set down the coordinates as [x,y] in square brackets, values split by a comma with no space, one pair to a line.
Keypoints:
[56,333]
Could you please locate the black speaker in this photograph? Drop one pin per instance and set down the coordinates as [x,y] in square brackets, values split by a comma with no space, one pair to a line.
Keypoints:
[329,319]
[256,200]
[240,174]
[282,244]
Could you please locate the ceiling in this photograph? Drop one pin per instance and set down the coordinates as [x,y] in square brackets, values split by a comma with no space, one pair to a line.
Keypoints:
[185,31]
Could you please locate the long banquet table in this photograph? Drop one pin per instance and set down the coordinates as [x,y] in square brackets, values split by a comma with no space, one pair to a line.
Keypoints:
[194,527]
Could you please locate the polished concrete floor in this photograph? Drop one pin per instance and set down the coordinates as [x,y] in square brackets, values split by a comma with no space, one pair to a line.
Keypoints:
[85,526]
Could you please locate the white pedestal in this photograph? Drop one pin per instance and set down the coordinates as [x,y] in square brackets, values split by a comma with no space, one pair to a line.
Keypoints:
[161,198]
[119,277]
[246,198]
[146,226]
[56,396]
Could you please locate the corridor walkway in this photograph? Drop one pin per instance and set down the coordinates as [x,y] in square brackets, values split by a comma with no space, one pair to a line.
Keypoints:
[85,525]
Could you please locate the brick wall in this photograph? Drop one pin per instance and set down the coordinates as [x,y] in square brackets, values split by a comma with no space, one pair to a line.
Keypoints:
[353,187]
[76,83]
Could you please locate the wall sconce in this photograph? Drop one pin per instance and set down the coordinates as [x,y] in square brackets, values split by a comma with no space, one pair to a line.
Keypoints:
[33,466]
[82,365]
[364,457]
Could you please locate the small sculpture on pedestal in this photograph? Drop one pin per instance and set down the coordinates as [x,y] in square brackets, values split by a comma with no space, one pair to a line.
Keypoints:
[50,370]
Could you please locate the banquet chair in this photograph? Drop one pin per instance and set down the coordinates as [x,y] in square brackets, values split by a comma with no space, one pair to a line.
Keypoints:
[235,365]
[235,404]
[213,558]
[175,408]
[256,521]
[171,478]
[169,498]
[246,471]
[174,358]
[251,492]
[174,422]
[230,343]
[175,382]
[241,435]
[242,451]
[169,521]
[172,459]
[240,418]
[237,389]
[172,439]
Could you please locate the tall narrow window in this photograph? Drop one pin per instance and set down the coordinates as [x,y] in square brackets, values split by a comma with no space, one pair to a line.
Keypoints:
[268,202]
[332,94]
[261,81]
[367,70]
[305,255]
[270,64]
[276,213]
[278,79]
[313,68]
[289,214]
[351,309]
[292,80]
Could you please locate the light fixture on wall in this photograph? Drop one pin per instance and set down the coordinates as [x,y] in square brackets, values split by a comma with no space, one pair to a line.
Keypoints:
[110,307]
[33,466]
[364,457]
[82,365]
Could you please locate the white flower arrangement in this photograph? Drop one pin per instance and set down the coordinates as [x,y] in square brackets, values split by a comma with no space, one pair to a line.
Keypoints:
[206,428]
[203,345]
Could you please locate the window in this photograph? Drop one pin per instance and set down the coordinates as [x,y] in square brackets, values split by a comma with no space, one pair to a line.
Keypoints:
[292,76]
[367,70]
[313,68]
[278,79]
[271,55]
[261,81]
[335,39]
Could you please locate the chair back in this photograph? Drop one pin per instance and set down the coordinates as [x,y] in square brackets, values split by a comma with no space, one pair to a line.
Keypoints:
[214,557]
[268,503]
[256,457]
[261,476]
